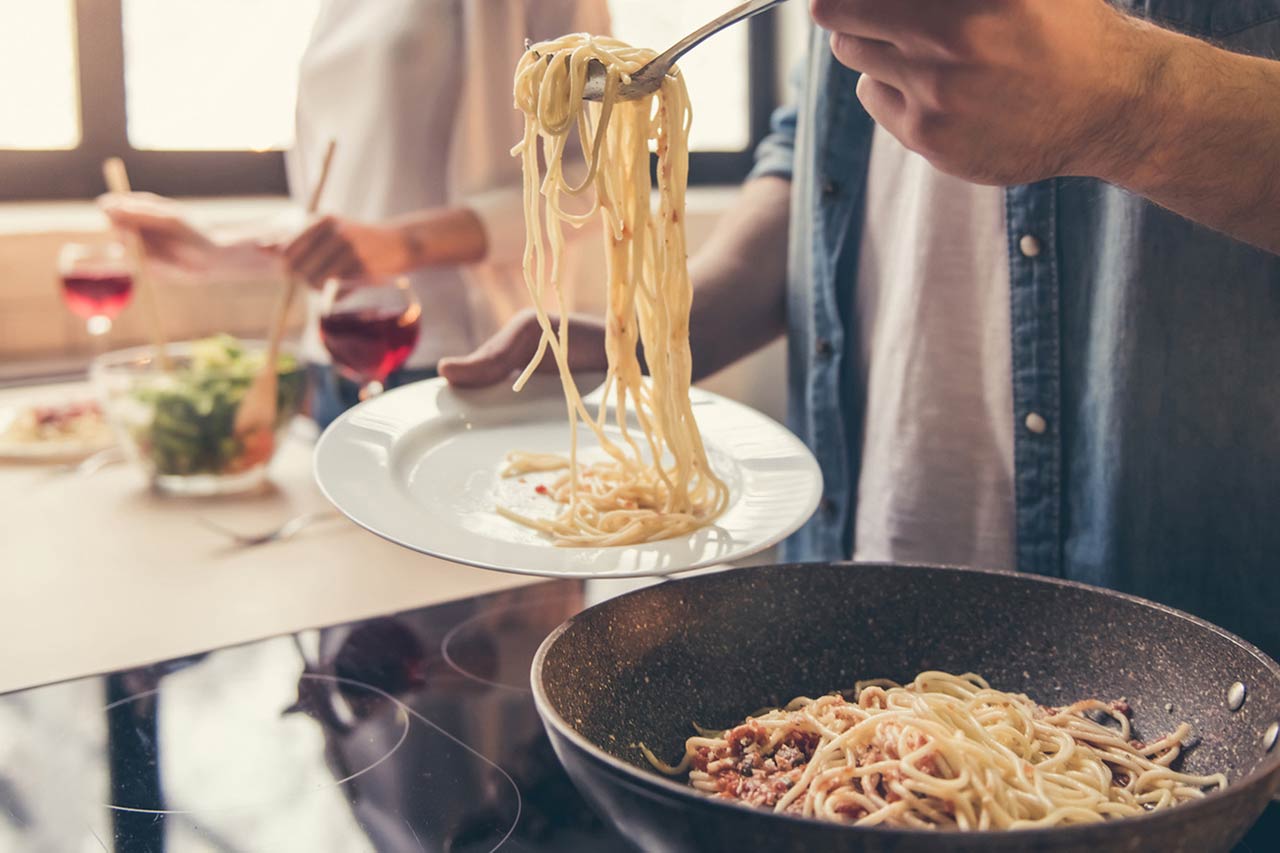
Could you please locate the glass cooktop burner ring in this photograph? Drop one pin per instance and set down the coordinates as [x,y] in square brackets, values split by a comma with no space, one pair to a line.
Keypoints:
[454,635]
[403,713]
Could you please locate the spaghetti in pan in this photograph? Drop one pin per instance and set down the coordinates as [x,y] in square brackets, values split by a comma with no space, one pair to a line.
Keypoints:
[943,752]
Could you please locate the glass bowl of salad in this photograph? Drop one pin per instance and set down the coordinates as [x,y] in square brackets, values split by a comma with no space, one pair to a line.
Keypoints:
[178,424]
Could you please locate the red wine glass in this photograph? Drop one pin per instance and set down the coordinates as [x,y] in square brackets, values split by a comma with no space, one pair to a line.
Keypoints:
[369,326]
[96,282]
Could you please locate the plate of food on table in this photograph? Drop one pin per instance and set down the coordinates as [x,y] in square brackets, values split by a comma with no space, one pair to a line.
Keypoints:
[58,429]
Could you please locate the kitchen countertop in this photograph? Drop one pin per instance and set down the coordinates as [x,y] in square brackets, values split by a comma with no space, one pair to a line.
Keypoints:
[98,573]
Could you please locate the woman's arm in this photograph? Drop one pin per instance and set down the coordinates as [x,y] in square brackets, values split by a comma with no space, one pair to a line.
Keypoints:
[334,247]
[486,223]
[168,238]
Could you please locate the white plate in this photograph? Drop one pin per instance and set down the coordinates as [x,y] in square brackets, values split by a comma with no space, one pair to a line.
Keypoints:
[53,450]
[420,466]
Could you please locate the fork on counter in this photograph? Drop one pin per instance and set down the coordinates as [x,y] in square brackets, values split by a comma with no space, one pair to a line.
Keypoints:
[277,534]
[91,465]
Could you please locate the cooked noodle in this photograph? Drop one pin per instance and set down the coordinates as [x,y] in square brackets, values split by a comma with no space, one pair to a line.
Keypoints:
[658,484]
[943,752]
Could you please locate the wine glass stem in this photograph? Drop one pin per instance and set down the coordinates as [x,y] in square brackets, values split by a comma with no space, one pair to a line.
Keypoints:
[371,389]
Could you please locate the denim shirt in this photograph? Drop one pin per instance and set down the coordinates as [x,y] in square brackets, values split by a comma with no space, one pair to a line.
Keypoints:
[1146,360]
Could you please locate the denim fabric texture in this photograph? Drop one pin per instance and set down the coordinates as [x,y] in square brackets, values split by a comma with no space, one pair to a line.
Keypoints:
[1149,346]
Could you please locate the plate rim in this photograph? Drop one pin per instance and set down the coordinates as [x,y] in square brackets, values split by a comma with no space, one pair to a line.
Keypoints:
[810,506]
[48,451]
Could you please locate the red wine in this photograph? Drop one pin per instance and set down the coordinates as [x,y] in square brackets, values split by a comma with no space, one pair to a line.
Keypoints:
[369,344]
[89,293]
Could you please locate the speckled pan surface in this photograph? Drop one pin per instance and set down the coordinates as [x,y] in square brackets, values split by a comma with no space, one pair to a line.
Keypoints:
[641,667]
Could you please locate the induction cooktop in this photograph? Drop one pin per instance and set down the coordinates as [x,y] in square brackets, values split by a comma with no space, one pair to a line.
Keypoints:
[409,732]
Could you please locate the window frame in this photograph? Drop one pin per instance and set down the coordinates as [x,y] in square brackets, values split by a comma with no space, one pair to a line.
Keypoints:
[730,167]
[42,174]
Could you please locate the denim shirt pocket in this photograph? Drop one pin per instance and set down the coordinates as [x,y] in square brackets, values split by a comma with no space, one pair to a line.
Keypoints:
[1219,20]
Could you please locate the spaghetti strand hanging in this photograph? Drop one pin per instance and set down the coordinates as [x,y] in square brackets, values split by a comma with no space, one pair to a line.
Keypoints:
[658,484]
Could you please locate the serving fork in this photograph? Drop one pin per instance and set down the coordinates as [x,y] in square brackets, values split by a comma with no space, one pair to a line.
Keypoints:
[648,78]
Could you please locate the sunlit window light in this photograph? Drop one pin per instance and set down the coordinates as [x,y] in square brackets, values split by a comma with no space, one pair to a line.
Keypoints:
[716,73]
[38,75]
[213,76]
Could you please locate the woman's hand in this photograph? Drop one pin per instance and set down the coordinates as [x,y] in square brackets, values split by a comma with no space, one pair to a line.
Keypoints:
[508,351]
[165,234]
[333,247]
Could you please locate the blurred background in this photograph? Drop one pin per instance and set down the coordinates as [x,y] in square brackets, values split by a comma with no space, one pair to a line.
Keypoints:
[198,100]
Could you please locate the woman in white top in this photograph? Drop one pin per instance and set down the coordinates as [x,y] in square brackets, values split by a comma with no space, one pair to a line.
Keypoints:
[418,95]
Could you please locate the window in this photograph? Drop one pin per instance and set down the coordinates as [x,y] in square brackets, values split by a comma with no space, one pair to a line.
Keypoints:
[200,103]
[186,91]
[721,100]
[196,96]
[37,45]
[731,78]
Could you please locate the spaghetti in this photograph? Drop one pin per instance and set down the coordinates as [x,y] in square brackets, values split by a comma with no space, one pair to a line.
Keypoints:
[943,752]
[656,484]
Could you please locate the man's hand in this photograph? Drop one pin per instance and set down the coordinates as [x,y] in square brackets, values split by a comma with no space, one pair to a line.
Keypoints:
[739,300]
[508,351]
[332,247]
[1000,91]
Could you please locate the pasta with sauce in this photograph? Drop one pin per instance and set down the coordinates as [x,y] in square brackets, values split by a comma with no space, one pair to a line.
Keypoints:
[943,752]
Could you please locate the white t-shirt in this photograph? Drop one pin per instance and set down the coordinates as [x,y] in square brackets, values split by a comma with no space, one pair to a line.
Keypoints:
[417,94]
[934,352]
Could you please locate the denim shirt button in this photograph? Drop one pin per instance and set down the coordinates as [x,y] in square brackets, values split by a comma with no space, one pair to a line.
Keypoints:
[828,507]
[830,188]
[823,347]
[1036,423]
[1029,246]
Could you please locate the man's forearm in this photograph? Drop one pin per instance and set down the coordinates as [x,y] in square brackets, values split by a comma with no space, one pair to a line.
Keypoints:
[1205,137]
[1009,92]
[739,278]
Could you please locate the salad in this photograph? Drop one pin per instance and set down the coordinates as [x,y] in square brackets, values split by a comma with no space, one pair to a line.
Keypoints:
[184,420]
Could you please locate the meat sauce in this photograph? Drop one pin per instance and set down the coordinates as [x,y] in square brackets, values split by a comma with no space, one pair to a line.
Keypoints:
[745,769]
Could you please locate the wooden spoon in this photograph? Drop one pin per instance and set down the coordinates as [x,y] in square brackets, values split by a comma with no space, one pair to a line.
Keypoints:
[117,179]
[255,422]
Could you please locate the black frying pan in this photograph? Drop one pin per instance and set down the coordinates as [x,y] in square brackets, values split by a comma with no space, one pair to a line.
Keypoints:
[714,648]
